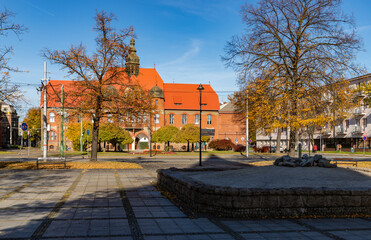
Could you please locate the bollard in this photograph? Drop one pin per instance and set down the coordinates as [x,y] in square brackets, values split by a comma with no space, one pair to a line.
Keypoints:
[299,150]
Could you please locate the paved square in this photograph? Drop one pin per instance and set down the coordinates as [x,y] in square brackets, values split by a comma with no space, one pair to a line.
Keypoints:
[124,204]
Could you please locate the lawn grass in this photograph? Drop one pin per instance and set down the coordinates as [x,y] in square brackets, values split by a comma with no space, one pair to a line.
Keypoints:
[69,165]
[6,152]
[68,154]
[196,153]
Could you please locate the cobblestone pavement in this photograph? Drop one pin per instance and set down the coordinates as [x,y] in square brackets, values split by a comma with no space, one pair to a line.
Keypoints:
[123,204]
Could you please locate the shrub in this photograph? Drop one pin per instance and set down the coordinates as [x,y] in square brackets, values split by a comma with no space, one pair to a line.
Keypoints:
[239,148]
[266,149]
[221,145]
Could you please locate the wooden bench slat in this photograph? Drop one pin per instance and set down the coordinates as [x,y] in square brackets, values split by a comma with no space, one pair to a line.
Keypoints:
[346,161]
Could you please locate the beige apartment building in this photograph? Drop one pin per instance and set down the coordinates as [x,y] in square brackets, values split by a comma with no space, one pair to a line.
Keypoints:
[349,134]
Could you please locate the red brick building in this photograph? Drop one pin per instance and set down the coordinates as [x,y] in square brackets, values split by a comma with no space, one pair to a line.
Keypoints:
[232,124]
[177,104]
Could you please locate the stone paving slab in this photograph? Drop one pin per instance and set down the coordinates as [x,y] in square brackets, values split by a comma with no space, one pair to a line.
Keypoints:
[109,204]
[353,235]
[266,177]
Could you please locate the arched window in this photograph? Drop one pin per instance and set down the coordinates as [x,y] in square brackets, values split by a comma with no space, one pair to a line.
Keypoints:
[209,119]
[109,118]
[51,117]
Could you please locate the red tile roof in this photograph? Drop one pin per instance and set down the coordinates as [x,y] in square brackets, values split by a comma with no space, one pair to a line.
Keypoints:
[147,78]
[187,97]
[177,96]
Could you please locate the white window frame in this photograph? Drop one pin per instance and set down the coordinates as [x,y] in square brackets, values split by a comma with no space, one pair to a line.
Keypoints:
[157,118]
[109,118]
[171,118]
[209,119]
[184,119]
[51,117]
[197,119]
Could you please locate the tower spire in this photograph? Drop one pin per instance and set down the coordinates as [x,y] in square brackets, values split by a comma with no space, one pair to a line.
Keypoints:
[132,60]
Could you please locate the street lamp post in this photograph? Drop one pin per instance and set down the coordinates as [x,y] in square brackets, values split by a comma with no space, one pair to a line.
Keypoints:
[270,144]
[200,88]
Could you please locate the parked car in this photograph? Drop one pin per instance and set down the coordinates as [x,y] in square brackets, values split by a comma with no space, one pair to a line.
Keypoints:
[273,149]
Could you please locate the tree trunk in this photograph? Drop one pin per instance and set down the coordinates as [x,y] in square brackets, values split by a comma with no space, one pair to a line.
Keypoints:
[94,142]
[193,147]
[292,142]
[187,146]
[278,145]
[115,147]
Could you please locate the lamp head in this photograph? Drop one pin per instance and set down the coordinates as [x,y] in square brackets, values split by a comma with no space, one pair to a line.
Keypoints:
[200,87]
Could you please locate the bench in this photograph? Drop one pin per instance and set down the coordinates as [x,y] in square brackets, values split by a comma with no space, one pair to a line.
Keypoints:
[50,160]
[349,161]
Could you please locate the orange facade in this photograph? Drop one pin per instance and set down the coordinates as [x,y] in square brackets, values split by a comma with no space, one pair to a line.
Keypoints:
[177,104]
[232,125]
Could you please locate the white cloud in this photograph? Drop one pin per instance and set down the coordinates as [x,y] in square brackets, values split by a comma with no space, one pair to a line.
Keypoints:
[191,52]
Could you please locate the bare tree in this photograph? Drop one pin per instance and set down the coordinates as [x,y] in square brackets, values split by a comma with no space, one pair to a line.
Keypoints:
[102,87]
[8,92]
[306,44]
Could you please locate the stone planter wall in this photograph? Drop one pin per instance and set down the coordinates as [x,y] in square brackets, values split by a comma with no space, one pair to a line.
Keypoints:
[264,203]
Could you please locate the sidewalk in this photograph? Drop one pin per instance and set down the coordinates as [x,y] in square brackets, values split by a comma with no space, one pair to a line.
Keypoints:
[123,204]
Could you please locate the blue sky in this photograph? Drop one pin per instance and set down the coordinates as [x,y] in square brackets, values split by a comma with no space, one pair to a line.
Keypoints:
[183,38]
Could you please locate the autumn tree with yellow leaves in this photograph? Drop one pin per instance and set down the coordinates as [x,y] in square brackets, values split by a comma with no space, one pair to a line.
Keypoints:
[299,47]
[101,88]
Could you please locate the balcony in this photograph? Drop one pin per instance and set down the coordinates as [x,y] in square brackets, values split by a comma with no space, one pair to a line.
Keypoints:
[359,112]
[325,133]
[340,130]
[358,130]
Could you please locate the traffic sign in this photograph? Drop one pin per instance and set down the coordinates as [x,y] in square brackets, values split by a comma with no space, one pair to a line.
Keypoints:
[87,131]
[242,138]
[236,140]
[24,126]
[364,138]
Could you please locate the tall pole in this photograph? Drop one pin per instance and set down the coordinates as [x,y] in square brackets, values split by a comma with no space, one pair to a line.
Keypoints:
[45,138]
[81,133]
[62,122]
[150,135]
[200,88]
[247,127]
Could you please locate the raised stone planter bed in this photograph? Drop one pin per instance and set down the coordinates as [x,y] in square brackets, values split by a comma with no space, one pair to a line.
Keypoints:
[267,202]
